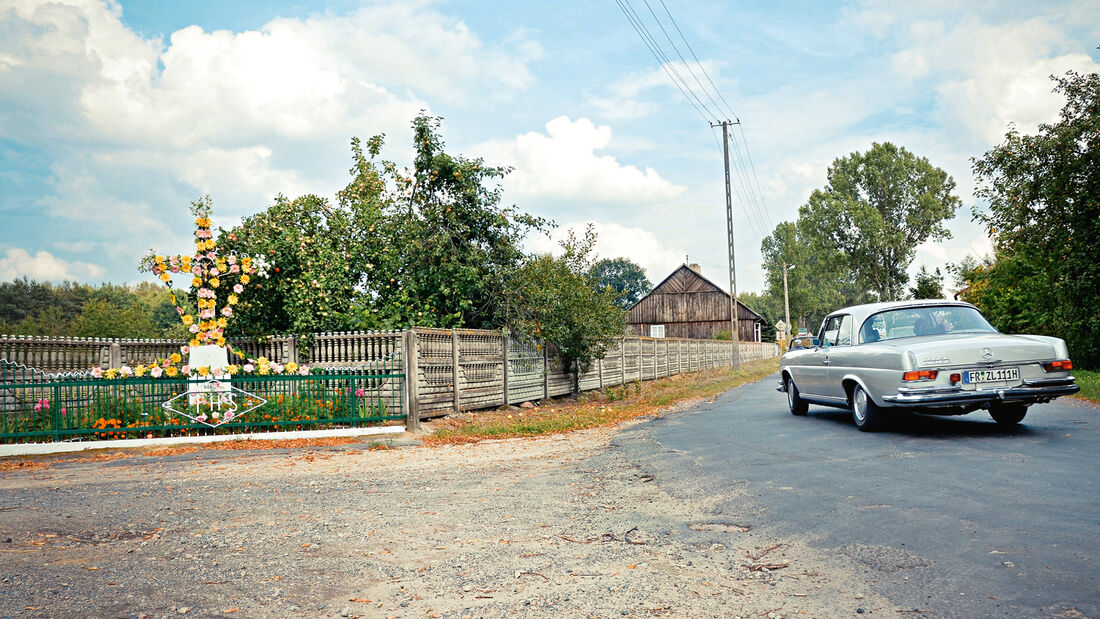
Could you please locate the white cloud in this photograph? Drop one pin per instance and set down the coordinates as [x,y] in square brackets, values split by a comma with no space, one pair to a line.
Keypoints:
[563,163]
[137,127]
[989,75]
[43,265]
[617,241]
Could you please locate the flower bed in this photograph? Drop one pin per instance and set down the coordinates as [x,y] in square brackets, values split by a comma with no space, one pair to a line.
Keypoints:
[133,407]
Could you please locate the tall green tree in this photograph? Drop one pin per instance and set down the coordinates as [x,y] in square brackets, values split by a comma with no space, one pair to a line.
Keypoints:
[622,275]
[874,211]
[1044,216]
[817,284]
[553,299]
[435,244]
[311,273]
[927,284]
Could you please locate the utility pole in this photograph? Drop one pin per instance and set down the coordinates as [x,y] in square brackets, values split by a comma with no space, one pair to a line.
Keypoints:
[735,332]
[786,303]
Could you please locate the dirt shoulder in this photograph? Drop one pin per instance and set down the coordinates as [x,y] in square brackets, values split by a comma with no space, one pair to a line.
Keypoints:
[555,526]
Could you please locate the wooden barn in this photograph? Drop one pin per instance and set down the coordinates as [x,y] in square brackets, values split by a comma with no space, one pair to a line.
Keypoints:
[687,304]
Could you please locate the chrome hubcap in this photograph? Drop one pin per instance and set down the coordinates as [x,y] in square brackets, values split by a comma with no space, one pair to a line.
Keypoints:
[859,405]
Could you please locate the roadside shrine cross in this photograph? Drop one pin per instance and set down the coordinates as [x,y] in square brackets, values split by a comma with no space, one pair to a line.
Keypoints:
[212,401]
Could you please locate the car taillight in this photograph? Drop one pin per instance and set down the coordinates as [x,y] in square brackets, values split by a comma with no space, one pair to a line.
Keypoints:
[920,375]
[955,378]
[1058,366]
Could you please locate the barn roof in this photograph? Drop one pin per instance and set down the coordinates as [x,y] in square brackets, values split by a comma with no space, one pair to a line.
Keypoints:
[701,284]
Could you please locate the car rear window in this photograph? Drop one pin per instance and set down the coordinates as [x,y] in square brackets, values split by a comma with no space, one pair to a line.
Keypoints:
[922,321]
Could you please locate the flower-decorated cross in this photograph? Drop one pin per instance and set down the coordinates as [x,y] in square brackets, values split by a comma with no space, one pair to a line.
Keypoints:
[210,271]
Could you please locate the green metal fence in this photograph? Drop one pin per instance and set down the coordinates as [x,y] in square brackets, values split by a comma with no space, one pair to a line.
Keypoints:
[34,408]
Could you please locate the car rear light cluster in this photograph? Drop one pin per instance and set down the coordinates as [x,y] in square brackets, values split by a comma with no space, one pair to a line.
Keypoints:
[920,375]
[1058,366]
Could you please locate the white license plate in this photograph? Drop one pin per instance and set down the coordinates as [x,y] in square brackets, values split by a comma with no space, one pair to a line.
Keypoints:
[991,376]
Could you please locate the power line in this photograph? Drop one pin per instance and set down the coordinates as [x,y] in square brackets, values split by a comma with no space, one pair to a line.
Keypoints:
[729,109]
[662,59]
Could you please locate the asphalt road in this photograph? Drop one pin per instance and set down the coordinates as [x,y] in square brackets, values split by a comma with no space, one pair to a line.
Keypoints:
[954,516]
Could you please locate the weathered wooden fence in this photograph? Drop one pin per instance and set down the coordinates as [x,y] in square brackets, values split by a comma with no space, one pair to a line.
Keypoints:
[454,369]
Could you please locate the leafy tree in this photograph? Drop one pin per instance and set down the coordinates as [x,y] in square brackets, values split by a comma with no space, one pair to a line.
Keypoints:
[103,318]
[875,210]
[1044,216]
[435,243]
[312,276]
[819,282]
[554,300]
[622,275]
[928,285]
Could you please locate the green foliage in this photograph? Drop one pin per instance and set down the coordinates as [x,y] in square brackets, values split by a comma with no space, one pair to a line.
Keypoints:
[928,285]
[553,300]
[427,245]
[622,275]
[29,307]
[818,284]
[104,318]
[311,281]
[1044,215]
[436,245]
[875,210]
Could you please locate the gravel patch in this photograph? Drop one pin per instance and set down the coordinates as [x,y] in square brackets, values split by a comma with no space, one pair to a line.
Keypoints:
[557,526]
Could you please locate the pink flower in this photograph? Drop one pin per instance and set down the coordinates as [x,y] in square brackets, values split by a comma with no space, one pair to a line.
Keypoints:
[210,255]
[231,259]
[238,288]
[248,367]
[185,370]
[179,310]
[234,269]
[214,271]
[97,372]
[62,411]
[201,417]
[209,313]
[230,415]
[156,372]
[193,328]
[303,371]
[126,370]
[360,392]
[185,349]
[226,311]
[197,270]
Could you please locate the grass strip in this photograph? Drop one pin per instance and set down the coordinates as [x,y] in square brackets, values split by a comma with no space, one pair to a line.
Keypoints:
[1089,380]
[595,409]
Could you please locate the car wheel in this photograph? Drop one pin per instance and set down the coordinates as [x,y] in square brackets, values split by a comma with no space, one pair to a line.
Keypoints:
[797,405]
[867,415]
[1008,414]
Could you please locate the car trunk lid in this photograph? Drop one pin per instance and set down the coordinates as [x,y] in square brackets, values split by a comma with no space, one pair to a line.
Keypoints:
[966,349]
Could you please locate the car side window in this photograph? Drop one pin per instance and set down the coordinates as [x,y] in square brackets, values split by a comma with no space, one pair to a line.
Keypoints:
[844,338]
[830,331]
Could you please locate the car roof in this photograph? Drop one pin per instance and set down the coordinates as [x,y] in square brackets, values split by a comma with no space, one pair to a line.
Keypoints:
[861,312]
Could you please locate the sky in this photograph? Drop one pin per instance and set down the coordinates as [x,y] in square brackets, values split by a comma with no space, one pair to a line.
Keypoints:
[114,116]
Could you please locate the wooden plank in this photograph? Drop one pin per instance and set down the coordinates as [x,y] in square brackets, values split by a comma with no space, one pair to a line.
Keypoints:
[412,370]
[454,372]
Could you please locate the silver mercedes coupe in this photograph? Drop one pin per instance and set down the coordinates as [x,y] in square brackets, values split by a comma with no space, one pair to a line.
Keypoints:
[930,356]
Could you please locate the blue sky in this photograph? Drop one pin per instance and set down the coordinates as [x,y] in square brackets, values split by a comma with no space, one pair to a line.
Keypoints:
[115,115]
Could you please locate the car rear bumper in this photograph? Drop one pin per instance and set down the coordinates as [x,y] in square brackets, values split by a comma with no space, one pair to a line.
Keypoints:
[1032,390]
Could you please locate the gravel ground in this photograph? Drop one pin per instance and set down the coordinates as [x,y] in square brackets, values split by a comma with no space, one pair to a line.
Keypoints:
[548,527]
